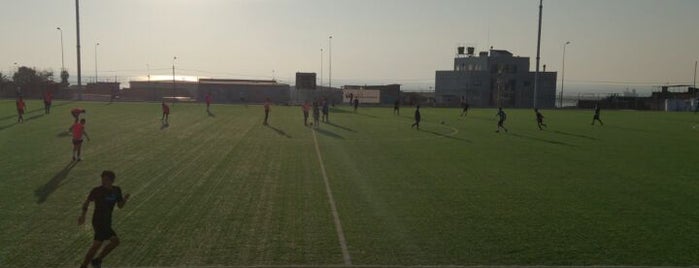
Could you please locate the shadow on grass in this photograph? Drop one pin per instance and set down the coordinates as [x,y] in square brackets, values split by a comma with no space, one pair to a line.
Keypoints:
[328,133]
[8,126]
[341,127]
[210,114]
[541,140]
[575,135]
[279,131]
[43,192]
[63,134]
[164,125]
[34,117]
[446,136]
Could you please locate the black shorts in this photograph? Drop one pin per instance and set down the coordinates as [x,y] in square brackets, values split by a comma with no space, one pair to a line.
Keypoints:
[103,232]
[77,142]
[596,117]
[500,122]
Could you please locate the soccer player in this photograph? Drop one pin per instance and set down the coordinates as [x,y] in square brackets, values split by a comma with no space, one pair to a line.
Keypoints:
[539,119]
[75,112]
[105,197]
[78,130]
[326,110]
[267,104]
[305,108]
[47,101]
[503,117]
[166,111]
[396,107]
[208,102]
[417,118]
[596,117]
[356,104]
[464,106]
[316,114]
[21,106]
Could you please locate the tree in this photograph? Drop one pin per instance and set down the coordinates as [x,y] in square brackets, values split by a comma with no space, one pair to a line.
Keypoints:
[30,81]
[64,79]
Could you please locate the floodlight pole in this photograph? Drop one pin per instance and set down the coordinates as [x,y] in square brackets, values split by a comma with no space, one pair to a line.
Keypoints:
[63,66]
[330,61]
[321,67]
[563,78]
[77,26]
[173,80]
[538,53]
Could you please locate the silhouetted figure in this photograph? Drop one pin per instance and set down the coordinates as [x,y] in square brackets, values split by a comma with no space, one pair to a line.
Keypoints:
[78,131]
[105,197]
[539,119]
[326,111]
[396,108]
[596,117]
[316,114]
[48,98]
[166,112]
[417,118]
[356,104]
[305,108]
[464,106]
[267,105]
[208,99]
[501,122]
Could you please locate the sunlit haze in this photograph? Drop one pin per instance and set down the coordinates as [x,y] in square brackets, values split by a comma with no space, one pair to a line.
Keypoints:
[614,44]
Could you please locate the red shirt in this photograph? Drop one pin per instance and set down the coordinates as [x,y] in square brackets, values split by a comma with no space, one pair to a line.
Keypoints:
[306,107]
[78,131]
[166,109]
[76,111]
[20,105]
[266,106]
[208,99]
[47,96]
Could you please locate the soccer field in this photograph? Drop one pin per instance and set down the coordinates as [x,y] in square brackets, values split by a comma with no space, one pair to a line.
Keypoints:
[365,190]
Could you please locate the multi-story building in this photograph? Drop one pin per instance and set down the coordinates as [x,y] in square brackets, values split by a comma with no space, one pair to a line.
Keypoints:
[492,79]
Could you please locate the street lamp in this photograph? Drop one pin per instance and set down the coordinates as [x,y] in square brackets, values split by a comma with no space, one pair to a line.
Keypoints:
[321,67]
[563,75]
[330,63]
[97,44]
[173,80]
[63,66]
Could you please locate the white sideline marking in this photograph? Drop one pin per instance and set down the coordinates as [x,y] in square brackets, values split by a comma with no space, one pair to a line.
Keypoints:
[336,217]
[419,266]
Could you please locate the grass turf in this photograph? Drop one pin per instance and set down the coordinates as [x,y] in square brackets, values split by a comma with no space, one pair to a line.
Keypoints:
[222,189]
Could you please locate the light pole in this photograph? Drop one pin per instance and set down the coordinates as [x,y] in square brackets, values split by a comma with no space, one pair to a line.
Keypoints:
[63,66]
[96,45]
[173,80]
[330,62]
[563,75]
[321,67]
[538,50]
[695,75]
[77,26]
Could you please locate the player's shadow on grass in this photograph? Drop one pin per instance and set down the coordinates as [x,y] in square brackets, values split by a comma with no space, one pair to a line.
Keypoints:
[445,136]
[43,192]
[8,126]
[279,131]
[164,125]
[211,114]
[340,127]
[575,135]
[63,134]
[541,140]
[34,117]
[328,133]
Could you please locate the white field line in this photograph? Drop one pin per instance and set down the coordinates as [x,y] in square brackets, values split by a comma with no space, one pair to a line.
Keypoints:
[333,208]
[414,266]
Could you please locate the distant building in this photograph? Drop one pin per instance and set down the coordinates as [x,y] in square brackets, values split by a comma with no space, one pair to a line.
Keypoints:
[306,80]
[388,94]
[492,79]
[238,90]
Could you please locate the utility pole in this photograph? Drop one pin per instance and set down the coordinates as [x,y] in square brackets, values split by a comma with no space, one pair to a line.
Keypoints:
[77,25]
[563,78]
[63,66]
[538,53]
[173,80]
[321,67]
[330,63]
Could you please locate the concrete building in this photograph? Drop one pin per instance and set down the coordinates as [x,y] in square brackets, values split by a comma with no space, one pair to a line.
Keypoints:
[492,79]
[388,94]
[248,91]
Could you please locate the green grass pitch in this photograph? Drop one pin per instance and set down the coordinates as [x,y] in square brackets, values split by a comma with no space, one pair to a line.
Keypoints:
[226,190]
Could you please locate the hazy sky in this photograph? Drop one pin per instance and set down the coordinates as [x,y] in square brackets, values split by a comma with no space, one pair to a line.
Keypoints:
[621,42]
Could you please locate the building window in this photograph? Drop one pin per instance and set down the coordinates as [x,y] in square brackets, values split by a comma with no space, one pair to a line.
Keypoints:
[527,83]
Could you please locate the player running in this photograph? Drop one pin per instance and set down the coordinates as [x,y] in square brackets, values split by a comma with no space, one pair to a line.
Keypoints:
[464,107]
[78,130]
[75,112]
[21,106]
[596,117]
[396,107]
[539,119]
[305,108]
[208,102]
[501,122]
[417,118]
[105,197]
[356,104]
[326,110]
[166,111]
[47,101]
[267,104]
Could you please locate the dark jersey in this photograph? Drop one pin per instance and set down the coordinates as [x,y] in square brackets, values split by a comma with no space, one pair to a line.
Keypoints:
[104,199]
[417,115]
[539,117]
[502,115]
